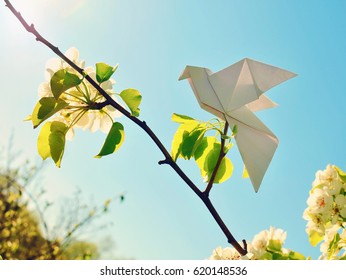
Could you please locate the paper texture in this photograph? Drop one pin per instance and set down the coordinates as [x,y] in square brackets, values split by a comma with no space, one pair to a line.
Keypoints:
[233,94]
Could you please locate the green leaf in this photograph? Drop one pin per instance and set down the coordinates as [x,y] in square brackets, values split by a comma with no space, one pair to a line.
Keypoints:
[225,171]
[45,108]
[104,71]
[63,80]
[296,256]
[279,256]
[341,173]
[334,246]
[114,140]
[132,98]
[203,149]
[206,156]
[266,256]
[176,143]
[212,157]
[234,130]
[181,118]
[179,136]
[315,237]
[51,141]
[191,141]
[274,246]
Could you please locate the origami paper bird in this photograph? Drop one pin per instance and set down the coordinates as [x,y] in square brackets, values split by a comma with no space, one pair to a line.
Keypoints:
[233,94]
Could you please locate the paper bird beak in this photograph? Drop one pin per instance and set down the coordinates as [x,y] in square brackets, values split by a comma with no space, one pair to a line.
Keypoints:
[185,74]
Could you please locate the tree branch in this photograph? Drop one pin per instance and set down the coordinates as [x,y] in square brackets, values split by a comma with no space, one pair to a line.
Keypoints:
[242,250]
[142,124]
[218,163]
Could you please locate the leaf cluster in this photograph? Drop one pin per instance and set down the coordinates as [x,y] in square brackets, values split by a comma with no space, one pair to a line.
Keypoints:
[192,141]
[64,85]
[274,251]
[329,219]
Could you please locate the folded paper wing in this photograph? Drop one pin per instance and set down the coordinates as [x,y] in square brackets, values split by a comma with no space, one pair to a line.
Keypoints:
[256,143]
[233,94]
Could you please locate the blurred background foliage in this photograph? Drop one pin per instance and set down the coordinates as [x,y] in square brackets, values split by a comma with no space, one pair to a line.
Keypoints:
[26,234]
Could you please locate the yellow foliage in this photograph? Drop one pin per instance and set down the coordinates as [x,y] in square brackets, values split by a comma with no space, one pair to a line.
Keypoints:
[21,236]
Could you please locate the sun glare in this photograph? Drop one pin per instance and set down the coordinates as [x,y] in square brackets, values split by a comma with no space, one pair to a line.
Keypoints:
[31,10]
[40,12]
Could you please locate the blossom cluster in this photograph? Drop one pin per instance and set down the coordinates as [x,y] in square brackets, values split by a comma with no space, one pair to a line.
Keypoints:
[81,99]
[326,224]
[73,97]
[267,245]
[326,213]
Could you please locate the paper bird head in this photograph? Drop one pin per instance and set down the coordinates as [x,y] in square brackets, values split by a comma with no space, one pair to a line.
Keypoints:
[233,94]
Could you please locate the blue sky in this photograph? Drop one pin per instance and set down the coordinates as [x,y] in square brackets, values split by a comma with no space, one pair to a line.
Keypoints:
[152,41]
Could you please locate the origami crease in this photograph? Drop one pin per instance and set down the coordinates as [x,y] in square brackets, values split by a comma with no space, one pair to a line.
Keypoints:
[233,94]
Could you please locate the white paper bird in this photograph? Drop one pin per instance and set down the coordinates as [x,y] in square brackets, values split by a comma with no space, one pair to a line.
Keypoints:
[233,94]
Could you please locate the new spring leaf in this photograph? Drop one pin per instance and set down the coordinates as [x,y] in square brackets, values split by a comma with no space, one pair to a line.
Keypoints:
[63,80]
[180,136]
[181,118]
[104,71]
[132,98]
[45,108]
[206,156]
[114,140]
[51,141]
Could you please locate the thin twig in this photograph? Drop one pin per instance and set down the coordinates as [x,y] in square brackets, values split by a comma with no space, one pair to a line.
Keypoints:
[110,101]
[218,163]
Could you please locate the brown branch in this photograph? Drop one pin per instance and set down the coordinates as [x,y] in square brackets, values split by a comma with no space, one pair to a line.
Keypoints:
[231,240]
[218,163]
[142,124]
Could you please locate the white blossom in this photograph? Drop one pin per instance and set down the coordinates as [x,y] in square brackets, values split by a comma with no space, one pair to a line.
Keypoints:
[326,211]
[340,205]
[81,111]
[319,201]
[55,64]
[325,177]
[227,254]
[261,241]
